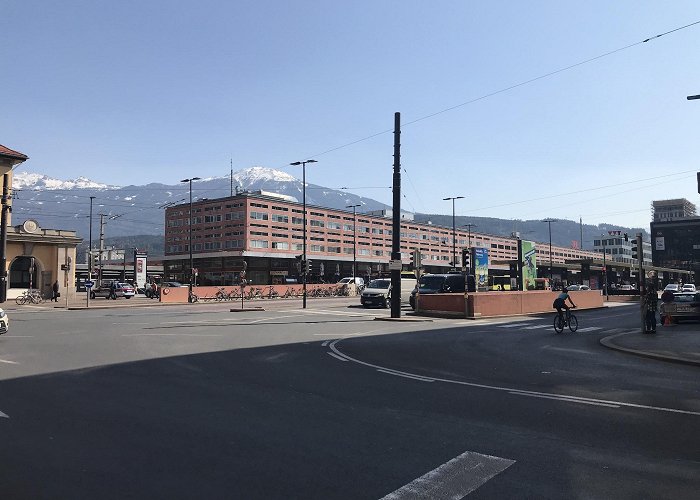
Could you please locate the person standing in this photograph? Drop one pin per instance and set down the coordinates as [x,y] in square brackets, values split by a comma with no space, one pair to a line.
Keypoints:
[54,291]
[651,302]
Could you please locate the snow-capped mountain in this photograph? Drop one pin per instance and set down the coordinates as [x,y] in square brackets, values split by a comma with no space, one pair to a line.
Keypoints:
[26,180]
[130,210]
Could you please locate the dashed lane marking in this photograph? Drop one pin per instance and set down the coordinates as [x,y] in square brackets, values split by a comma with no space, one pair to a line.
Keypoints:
[537,327]
[589,329]
[8,362]
[454,479]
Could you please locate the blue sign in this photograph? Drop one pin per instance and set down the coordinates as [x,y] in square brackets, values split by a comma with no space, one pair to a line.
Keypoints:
[89,284]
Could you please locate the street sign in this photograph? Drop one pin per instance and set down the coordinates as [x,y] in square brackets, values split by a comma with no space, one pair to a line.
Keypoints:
[89,284]
[395,265]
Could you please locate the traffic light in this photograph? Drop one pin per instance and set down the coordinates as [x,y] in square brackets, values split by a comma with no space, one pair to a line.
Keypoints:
[465,259]
[416,258]
[698,174]
[627,237]
[635,252]
[298,263]
[308,266]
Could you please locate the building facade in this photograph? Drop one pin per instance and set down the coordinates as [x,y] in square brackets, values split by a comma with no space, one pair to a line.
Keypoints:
[263,235]
[666,210]
[676,244]
[617,249]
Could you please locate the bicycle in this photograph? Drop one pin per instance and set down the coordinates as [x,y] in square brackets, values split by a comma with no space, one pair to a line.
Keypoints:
[561,322]
[34,296]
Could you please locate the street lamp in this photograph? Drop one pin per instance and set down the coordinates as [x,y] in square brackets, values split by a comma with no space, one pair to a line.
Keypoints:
[549,223]
[189,295]
[454,253]
[303,187]
[354,239]
[605,270]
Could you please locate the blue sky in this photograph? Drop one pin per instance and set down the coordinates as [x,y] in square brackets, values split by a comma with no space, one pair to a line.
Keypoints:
[132,92]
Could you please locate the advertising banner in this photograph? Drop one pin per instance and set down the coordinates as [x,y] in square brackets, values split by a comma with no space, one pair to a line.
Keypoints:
[140,269]
[528,264]
[480,261]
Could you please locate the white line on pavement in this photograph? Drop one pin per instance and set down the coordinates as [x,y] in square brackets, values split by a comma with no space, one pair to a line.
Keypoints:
[171,335]
[325,343]
[589,329]
[566,399]
[454,479]
[335,349]
[513,325]
[4,415]
[8,362]
[336,356]
[537,327]
[399,374]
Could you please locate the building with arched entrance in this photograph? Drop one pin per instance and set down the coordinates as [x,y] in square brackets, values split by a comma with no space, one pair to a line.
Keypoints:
[32,257]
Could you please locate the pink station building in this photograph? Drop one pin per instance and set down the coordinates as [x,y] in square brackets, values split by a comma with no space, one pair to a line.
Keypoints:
[266,232]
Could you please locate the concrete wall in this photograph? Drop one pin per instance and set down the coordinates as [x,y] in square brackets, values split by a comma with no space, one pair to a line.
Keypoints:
[490,304]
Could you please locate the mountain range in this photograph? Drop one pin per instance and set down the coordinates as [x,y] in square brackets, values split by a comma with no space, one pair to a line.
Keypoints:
[127,211]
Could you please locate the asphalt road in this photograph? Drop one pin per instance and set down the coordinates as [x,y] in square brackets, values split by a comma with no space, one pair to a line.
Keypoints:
[199,402]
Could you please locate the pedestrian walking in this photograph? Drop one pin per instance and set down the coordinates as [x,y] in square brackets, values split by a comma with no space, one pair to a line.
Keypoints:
[55,291]
[651,302]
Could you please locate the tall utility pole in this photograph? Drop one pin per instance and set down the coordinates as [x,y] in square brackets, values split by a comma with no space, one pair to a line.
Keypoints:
[642,288]
[3,237]
[549,223]
[396,222]
[102,245]
[231,176]
[354,240]
[580,223]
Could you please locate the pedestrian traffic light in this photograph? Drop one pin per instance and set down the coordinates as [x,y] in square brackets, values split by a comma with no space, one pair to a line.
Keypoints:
[635,252]
[308,266]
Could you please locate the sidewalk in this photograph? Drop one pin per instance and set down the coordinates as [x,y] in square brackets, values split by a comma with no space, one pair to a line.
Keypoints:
[677,343]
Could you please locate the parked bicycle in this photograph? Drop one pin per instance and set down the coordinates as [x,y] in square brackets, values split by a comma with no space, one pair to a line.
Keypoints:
[30,296]
[561,321]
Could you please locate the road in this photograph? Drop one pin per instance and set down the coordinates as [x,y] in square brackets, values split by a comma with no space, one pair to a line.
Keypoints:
[200,402]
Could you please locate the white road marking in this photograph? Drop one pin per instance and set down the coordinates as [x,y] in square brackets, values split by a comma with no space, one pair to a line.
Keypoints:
[18,336]
[335,313]
[8,362]
[589,329]
[566,399]
[4,415]
[336,356]
[454,479]
[567,349]
[513,325]
[537,327]
[335,349]
[400,374]
[325,343]
[170,335]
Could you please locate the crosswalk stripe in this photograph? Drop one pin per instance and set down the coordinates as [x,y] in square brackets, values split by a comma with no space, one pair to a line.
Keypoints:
[537,327]
[589,329]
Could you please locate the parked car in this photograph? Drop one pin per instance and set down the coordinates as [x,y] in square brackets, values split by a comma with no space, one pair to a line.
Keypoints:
[685,305]
[577,287]
[4,322]
[107,291]
[377,293]
[688,287]
[437,283]
[171,284]
[673,287]
[359,282]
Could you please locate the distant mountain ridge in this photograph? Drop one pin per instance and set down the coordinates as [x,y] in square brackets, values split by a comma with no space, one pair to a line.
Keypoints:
[138,210]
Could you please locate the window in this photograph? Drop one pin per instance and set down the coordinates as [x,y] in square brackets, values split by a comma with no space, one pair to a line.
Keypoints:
[212,245]
[317,248]
[280,245]
[280,218]
[258,244]
[258,215]
[212,218]
[297,220]
[234,244]
[233,215]
[317,223]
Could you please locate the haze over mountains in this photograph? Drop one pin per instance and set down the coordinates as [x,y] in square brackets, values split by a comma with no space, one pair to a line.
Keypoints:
[139,210]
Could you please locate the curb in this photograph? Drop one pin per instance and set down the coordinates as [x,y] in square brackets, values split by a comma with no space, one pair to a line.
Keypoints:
[608,342]
[404,319]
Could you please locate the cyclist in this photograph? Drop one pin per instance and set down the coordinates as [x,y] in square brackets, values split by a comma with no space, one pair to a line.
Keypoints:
[560,302]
